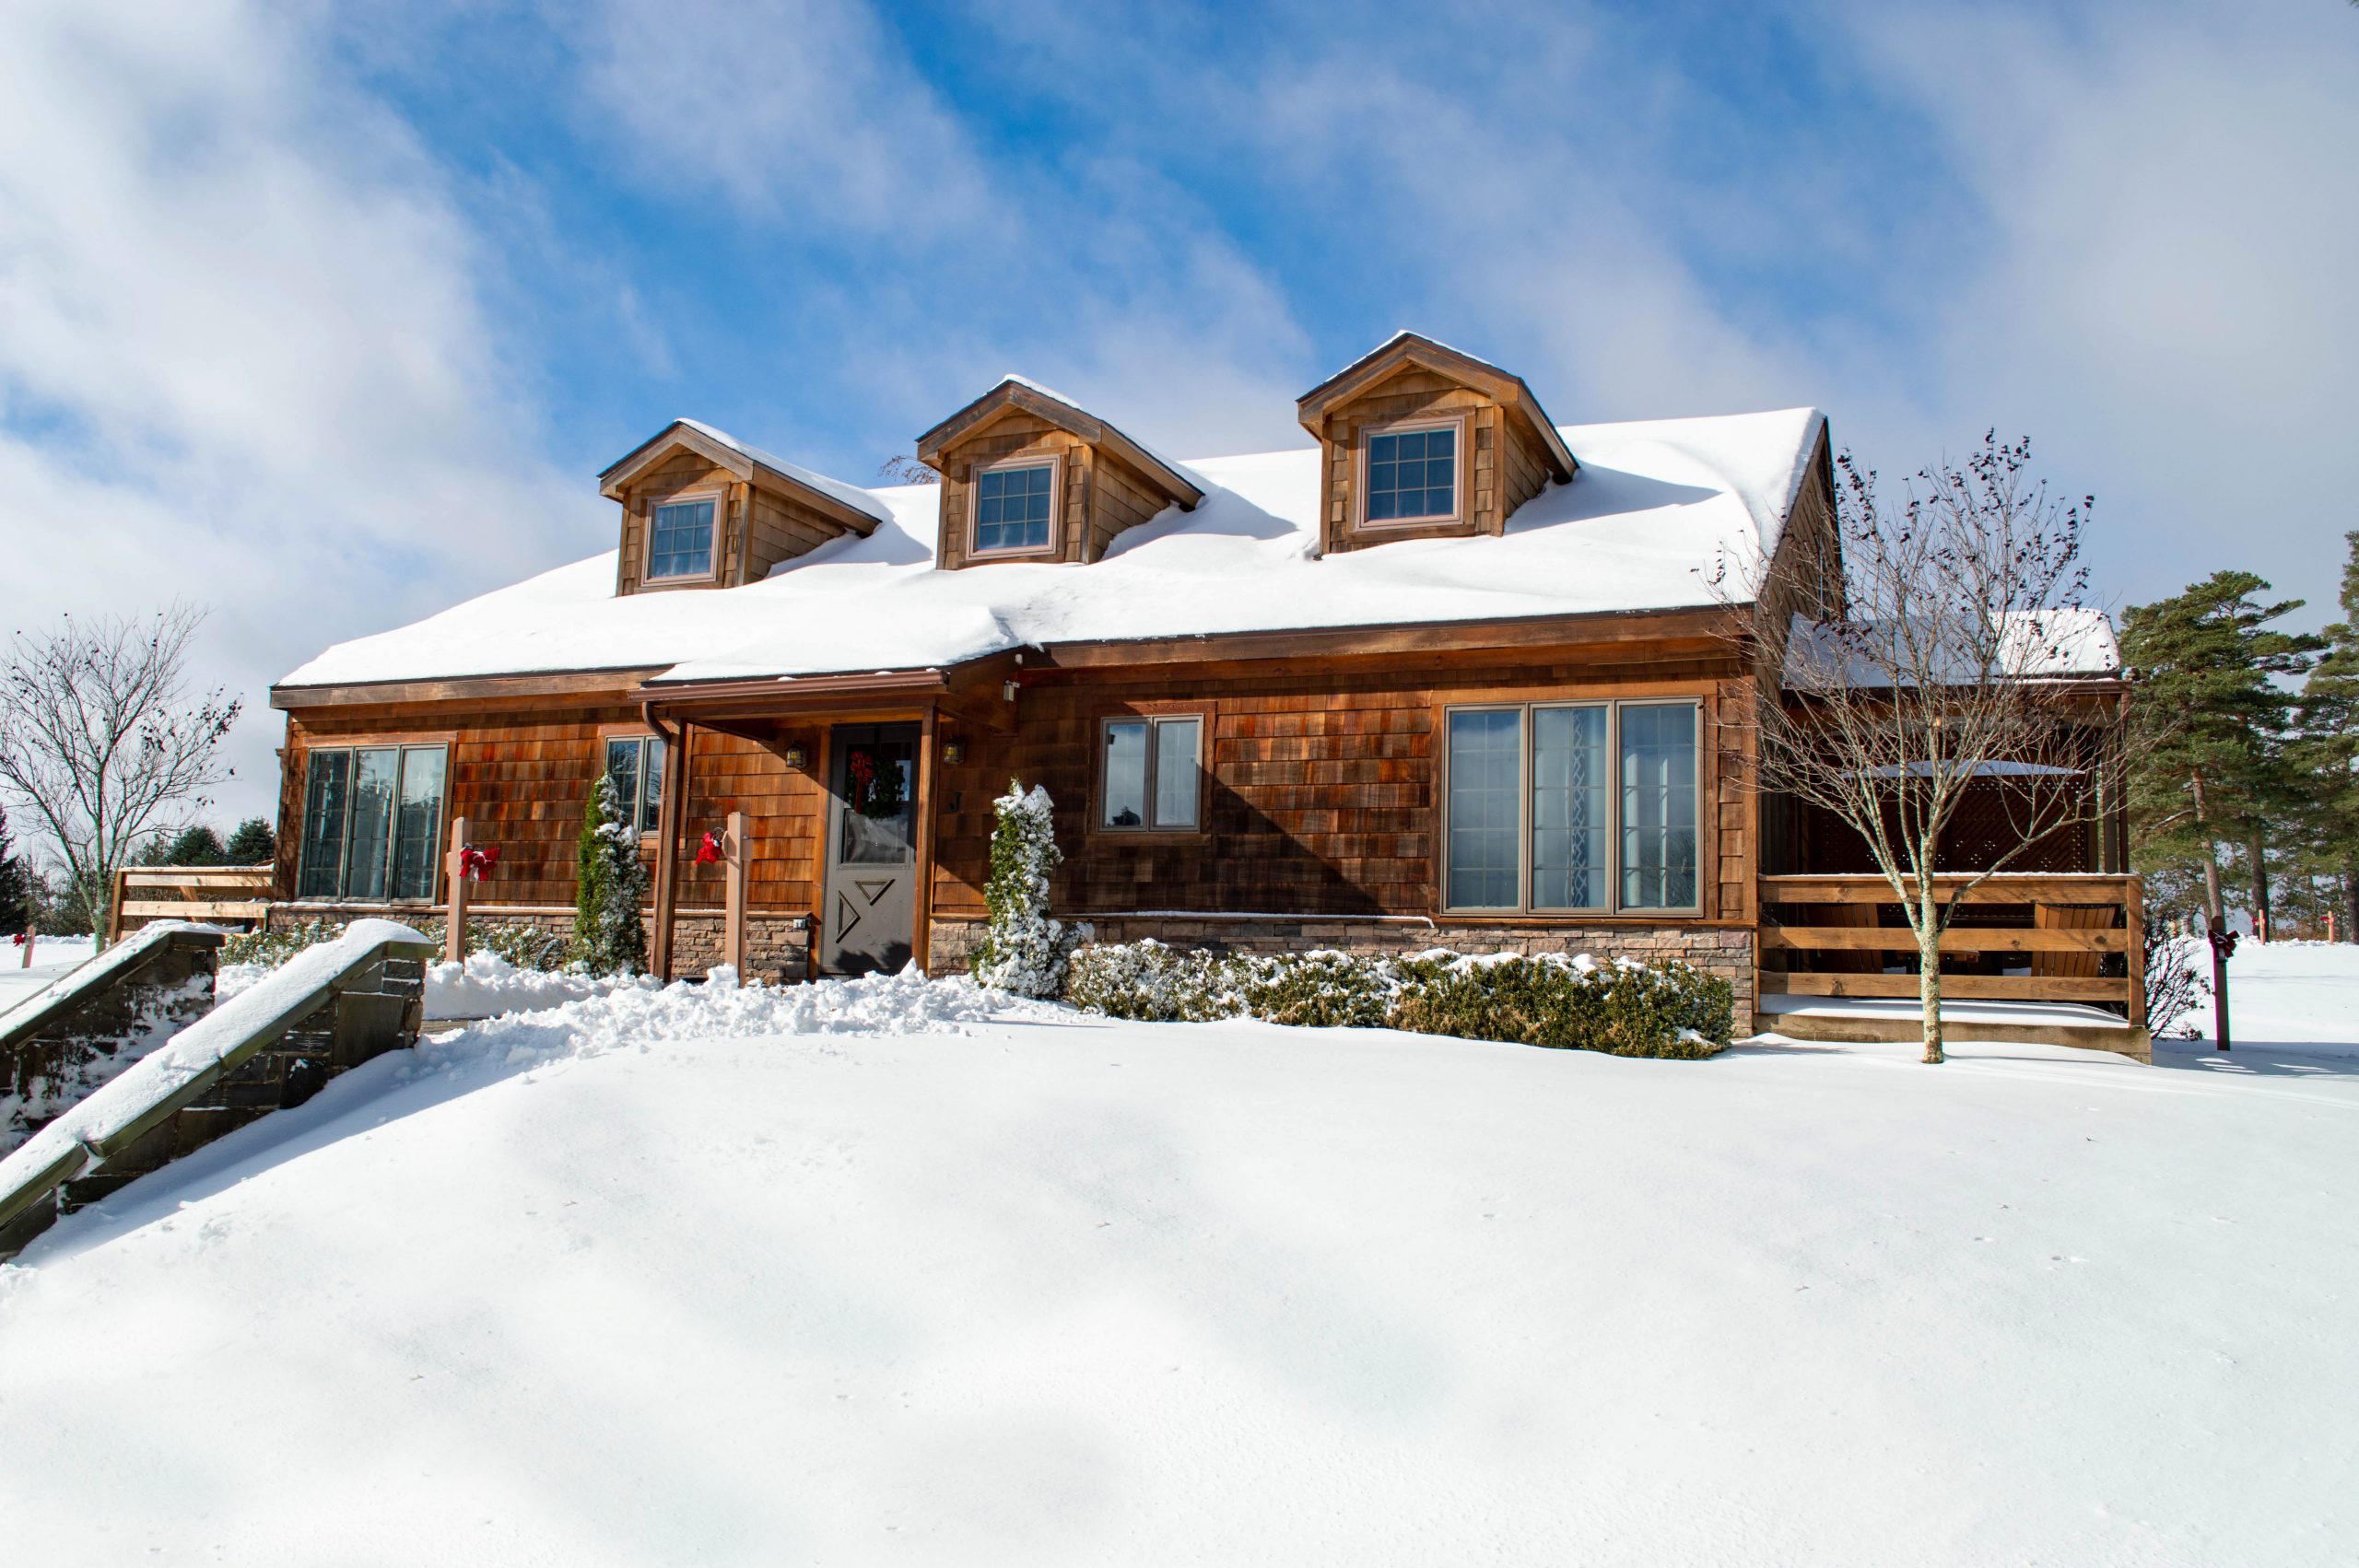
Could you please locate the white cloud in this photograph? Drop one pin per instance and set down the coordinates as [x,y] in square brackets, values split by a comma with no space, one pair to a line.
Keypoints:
[246,358]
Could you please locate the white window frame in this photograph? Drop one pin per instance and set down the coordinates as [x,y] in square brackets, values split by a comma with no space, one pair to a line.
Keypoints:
[719,500]
[1456,425]
[1154,723]
[1055,463]
[1524,905]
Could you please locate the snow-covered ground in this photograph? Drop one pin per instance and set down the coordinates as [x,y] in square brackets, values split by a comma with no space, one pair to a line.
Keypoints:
[715,1281]
[53,956]
[2301,997]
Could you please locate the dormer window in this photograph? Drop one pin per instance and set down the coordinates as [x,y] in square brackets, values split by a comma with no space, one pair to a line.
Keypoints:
[679,539]
[1413,474]
[1016,507]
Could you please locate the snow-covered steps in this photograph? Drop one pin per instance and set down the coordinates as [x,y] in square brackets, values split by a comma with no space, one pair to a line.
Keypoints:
[330,1008]
[64,1040]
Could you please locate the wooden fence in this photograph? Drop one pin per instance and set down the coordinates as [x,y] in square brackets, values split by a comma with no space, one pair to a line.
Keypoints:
[2019,937]
[216,894]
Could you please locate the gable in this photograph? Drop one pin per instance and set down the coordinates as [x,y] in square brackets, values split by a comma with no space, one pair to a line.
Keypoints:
[765,510]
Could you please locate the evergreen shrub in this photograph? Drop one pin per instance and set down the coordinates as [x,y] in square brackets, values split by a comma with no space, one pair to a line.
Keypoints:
[610,885]
[1022,951]
[279,943]
[1667,1010]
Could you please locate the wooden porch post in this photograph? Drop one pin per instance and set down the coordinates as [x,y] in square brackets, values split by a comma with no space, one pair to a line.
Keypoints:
[921,939]
[667,847]
[454,872]
[733,898]
[2133,909]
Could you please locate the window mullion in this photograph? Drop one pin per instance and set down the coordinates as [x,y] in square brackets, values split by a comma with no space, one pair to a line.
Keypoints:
[1528,818]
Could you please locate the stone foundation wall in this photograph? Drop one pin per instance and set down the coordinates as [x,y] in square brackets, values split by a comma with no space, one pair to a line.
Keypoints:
[778,947]
[1721,951]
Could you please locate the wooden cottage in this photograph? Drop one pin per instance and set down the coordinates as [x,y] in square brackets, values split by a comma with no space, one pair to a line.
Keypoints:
[1448,675]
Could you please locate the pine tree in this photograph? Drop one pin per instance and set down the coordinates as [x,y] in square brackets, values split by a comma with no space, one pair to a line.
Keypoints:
[609,886]
[1022,950]
[16,885]
[2208,662]
[2326,754]
[252,843]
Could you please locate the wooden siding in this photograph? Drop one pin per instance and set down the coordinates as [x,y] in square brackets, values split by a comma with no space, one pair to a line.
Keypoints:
[757,527]
[1322,797]
[1494,481]
[1012,436]
[523,780]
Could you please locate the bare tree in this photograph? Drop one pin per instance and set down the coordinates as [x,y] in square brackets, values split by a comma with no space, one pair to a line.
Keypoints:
[1907,655]
[100,738]
[906,470]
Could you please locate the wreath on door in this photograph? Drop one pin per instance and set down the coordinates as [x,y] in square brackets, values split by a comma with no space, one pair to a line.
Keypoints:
[876,789]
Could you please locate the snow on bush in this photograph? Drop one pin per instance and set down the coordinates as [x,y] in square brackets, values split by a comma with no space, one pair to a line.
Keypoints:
[1022,950]
[638,1012]
[485,985]
[610,886]
[1568,1002]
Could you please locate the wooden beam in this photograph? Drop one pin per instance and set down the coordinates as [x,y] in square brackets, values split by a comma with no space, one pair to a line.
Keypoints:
[667,844]
[1959,987]
[454,873]
[1958,939]
[732,899]
[922,938]
[614,684]
[2005,887]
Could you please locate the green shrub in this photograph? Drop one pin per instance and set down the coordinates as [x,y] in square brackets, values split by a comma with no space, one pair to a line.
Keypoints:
[526,946]
[279,943]
[1669,1010]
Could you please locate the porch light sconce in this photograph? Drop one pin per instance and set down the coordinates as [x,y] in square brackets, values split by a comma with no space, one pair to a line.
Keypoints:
[1007,690]
[953,752]
[797,755]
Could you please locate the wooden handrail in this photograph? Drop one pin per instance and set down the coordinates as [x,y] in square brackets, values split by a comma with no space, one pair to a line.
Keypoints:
[199,891]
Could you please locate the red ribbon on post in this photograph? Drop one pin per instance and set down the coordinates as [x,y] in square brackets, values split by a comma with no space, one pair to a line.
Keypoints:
[709,852]
[478,860]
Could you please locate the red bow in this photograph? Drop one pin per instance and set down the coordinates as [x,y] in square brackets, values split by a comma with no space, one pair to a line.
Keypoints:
[709,851]
[20,939]
[476,862]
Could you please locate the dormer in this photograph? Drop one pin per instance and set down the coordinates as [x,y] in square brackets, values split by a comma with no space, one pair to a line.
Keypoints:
[703,509]
[1027,475]
[1420,441]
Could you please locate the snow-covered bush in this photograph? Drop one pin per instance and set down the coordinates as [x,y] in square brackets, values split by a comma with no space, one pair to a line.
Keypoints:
[1625,1009]
[269,949]
[525,946]
[609,886]
[1670,1010]
[1022,950]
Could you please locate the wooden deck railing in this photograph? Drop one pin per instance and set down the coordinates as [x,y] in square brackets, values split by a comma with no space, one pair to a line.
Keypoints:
[2079,936]
[218,895]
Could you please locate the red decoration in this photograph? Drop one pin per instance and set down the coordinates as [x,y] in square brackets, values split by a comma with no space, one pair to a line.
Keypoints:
[478,860]
[709,851]
[18,940]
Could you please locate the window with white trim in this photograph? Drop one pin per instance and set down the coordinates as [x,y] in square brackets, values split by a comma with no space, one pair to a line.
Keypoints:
[680,539]
[1413,475]
[1013,507]
[1151,775]
[372,823]
[1571,807]
[635,765]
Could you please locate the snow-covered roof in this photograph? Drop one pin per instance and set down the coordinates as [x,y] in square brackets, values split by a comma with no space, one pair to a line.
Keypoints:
[2057,644]
[852,496]
[1655,505]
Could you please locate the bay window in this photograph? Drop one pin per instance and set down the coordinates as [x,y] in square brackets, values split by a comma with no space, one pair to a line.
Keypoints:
[1565,808]
[372,823]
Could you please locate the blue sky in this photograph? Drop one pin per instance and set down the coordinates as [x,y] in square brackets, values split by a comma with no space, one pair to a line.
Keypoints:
[326,315]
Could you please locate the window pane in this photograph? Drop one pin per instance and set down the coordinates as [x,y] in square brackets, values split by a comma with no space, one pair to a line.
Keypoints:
[1411,474]
[1569,777]
[420,831]
[1658,806]
[1126,774]
[682,542]
[622,767]
[651,783]
[1012,508]
[329,773]
[1485,766]
[373,774]
[1175,772]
